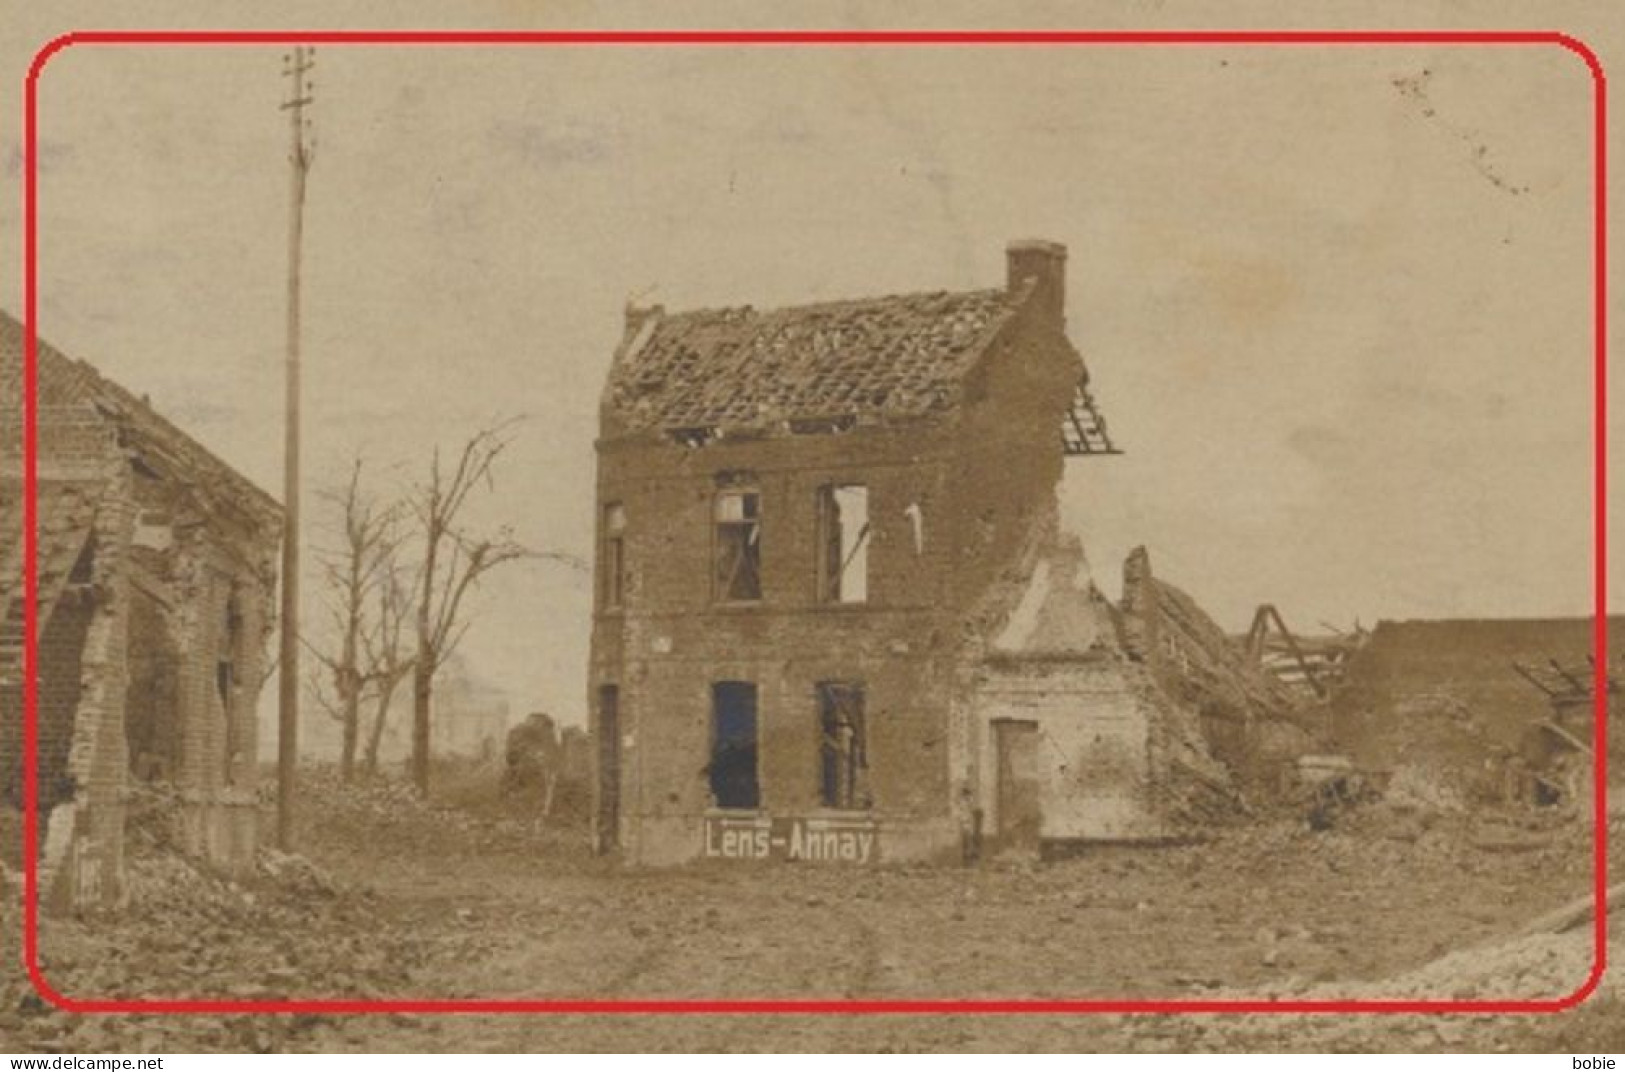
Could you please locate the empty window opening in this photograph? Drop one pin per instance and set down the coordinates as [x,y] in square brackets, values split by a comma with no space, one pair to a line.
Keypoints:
[225,682]
[843,761]
[843,563]
[733,745]
[694,438]
[823,425]
[152,699]
[614,557]
[609,767]
[739,546]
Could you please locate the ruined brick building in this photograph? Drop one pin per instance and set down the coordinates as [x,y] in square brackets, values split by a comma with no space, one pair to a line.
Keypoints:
[156,572]
[836,619]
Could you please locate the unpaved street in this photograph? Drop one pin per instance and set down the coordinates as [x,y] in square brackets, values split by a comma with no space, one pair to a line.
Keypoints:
[400,899]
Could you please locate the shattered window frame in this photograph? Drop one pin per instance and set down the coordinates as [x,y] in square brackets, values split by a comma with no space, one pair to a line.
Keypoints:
[843,746]
[612,589]
[737,536]
[843,566]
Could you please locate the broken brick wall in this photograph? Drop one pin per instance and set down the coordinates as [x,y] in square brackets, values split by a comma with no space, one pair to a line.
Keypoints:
[1009,465]
[1008,470]
[201,593]
[1095,772]
[140,475]
[1118,757]
[106,629]
[951,501]
[81,530]
[82,844]
[670,640]
[1442,698]
[1464,662]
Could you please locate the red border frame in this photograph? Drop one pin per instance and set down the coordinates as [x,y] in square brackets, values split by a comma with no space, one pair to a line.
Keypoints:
[801,38]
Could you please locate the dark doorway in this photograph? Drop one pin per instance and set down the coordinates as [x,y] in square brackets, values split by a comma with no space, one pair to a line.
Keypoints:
[1019,812]
[733,745]
[609,768]
[152,725]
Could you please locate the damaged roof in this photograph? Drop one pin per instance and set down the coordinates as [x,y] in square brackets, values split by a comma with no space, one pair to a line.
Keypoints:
[898,356]
[65,382]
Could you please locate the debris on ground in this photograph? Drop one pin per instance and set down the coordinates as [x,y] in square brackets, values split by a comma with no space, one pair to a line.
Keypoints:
[391,895]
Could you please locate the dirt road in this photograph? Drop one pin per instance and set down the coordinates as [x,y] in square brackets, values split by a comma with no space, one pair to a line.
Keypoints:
[399,899]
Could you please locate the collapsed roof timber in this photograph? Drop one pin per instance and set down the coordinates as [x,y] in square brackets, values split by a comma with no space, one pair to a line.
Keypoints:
[834,598]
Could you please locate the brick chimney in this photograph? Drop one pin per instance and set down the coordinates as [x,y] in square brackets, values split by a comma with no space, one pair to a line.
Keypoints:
[1035,259]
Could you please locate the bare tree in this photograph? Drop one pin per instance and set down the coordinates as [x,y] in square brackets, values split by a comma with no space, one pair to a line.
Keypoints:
[386,657]
[454,560]
[361,580]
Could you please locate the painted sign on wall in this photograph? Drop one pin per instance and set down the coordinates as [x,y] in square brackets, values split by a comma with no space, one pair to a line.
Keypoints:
[816,838]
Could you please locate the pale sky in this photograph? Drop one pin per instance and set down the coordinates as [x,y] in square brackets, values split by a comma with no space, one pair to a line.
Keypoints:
[1336,302]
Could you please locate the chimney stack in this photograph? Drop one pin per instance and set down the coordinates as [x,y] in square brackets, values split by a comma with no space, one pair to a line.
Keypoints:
[638,315]
[1045,264]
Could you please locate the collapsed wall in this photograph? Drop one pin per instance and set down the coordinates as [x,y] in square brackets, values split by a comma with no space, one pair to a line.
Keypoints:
[84,518]
[1253,723]
[1443,705]
[1087,719]
[155,574]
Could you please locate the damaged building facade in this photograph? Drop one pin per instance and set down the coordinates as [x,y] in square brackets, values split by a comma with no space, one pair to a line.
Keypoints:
[836,618]
[156,575]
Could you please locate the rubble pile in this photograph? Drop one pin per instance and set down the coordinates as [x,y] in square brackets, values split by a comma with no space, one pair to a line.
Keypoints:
[1411,788]
[464,817]
[1533,966]
[547,773]
[291,931]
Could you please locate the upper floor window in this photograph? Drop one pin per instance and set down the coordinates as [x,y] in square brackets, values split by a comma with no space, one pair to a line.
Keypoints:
[738,546]
[614,556]
[843,543]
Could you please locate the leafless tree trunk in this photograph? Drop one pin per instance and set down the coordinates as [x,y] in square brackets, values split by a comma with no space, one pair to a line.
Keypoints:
[359,575]
[375,733]
[453,562]
[388,664]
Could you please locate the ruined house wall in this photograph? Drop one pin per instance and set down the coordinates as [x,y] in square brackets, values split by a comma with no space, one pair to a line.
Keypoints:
[1005,511]
[1096,775]
[961,455]
[670,642]
[138,607]
[82,847]
[1009,464]
[1441,700]
[80,666]
[118,622]
[1460,662]
[976,483]
[1118,758]
[201,596]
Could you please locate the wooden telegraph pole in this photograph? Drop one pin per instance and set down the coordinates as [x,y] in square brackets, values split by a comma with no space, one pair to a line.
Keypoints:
[294,66]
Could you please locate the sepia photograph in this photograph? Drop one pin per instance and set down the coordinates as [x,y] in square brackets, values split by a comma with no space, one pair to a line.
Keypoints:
[559,531]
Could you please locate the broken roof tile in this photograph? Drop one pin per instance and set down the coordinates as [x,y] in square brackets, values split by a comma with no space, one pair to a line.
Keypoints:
[63,381]
[903,355]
